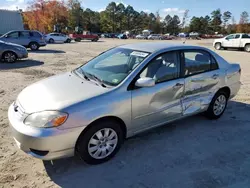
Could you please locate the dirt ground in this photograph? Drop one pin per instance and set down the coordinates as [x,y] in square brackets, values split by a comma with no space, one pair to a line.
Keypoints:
[191,153]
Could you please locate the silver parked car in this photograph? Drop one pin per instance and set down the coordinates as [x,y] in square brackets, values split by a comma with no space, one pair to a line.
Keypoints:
[29,39]
[121,92]
[155,37]
[10,52]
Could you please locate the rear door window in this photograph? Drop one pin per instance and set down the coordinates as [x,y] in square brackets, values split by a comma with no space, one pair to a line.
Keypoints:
[24,34]
[198,62]
[237,36]
[35,34]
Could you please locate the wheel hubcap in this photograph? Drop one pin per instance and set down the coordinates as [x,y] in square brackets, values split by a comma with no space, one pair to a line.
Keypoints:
[217,46]
[34,46]
[219,105]
[9,57]
[248,49]
[102,143]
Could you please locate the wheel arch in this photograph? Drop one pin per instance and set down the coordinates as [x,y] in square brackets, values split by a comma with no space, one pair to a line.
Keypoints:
[105,118]
[225,89]
[7,52]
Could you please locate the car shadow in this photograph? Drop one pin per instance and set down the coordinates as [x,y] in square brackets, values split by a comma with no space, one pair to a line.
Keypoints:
[20,64]
[192,152]
[46,51]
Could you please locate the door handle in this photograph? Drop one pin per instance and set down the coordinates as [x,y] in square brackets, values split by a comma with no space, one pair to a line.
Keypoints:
[178,85]
[215,76]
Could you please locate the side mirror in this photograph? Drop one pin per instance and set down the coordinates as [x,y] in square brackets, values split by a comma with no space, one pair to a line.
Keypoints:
[145,82]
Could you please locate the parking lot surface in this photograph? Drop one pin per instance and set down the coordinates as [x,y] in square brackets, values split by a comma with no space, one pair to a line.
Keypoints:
[191,153]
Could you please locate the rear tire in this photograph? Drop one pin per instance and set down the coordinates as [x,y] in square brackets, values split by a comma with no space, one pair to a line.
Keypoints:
[247,48]
[34,46]
[92,149]
[217,106]
[9,57]
[217,46]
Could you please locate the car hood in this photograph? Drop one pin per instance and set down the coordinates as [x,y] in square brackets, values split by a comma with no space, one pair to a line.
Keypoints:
[13,44]
[57,92]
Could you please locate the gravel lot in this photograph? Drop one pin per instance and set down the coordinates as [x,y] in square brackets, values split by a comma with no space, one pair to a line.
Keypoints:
[191,153]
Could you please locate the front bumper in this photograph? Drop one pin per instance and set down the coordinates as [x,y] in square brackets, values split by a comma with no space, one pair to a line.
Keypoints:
[22,55]
[53,142]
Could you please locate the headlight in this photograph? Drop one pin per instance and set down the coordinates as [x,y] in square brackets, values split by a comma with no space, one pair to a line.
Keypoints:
[46,119]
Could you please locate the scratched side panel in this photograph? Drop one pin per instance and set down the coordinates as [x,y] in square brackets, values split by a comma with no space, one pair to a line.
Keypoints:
[199,91]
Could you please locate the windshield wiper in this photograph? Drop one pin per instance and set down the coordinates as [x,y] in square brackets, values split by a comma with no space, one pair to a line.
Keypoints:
[83,74]
[99,80]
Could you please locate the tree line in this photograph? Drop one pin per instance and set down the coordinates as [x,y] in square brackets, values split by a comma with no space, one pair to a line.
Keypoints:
[47,16]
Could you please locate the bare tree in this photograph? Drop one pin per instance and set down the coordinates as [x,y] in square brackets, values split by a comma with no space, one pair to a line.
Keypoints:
[184,19]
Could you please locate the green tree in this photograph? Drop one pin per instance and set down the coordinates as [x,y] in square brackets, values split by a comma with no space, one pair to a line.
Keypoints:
[226,17]
[111,9]
[75,14]
[216,20]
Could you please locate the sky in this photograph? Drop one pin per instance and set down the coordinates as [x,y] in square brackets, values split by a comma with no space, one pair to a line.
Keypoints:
[172,7]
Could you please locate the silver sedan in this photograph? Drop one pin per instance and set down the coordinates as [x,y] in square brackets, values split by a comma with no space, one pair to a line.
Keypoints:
[91,110]
[10,52]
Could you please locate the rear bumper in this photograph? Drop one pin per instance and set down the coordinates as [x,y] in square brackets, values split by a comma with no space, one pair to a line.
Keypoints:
[42,44]
[234,89]
[42,143]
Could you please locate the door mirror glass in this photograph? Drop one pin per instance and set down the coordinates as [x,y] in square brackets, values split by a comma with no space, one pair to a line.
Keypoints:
[145,82]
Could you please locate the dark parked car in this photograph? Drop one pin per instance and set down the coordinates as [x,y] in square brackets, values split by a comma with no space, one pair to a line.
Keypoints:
[11,52]
[29,39]
[122,36]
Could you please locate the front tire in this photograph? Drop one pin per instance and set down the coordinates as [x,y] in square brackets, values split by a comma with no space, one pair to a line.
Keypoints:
[100,142]
[9,57]
[218,105]
[51,41]
[247,48]
[217,46]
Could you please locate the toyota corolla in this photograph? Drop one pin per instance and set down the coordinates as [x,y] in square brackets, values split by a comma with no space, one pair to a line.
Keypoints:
[91,110]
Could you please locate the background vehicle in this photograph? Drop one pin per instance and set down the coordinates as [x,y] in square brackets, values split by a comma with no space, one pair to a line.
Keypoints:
[238,41]
[122,36]
[86,35]
[29,39]
[141,36]
[174,81]
[10,52]
[183,35]
[57,38]
[154,37]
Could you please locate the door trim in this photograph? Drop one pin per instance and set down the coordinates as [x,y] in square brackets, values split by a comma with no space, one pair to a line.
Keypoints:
[160,110]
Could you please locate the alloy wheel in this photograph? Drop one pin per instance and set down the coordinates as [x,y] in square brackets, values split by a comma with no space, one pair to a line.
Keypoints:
[9,57]
[219,105]
[102,143]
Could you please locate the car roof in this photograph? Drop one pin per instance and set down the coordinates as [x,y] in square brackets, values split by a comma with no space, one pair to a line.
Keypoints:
[158,46]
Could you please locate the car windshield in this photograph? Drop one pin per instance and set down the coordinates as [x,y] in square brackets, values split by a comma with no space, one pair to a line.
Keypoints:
[113,66]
